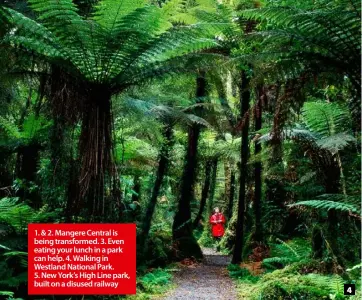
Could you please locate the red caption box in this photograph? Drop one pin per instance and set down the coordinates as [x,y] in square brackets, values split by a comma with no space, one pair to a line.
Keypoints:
[82,259]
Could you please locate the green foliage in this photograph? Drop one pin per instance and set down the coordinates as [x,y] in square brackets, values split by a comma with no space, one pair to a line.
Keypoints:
[123,42]
[159,245]
[355,267]
[305,55]
[236,272]
[152,284]
[206,238]
[342,203]
[331,122]
[285,253]
[288,284]
[324,39]
[326,119]
[18,216]
[14,220]
[153,281]
[328,126]
[33,129]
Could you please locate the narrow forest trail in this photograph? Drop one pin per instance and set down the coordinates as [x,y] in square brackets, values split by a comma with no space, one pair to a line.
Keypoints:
[208,280]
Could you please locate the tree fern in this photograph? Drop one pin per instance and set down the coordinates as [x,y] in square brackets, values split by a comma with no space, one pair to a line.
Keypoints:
[326,119]
[122,36]
[10,129]
[302,43]
[165,113]
[334,284]
[34,129]
[325,33]
[342,203]
[18,216]
[288,252]
[122,44]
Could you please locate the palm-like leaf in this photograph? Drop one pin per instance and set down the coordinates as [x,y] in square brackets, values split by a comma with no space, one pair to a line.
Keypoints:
[121,44]
[325,34]
[343,203]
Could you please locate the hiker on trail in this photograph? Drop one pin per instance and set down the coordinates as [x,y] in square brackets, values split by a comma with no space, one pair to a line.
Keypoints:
[217,221]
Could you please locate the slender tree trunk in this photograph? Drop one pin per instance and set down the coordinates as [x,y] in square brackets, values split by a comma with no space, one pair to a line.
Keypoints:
[206,234]
[231,194]
[28,156]
[204,193]
[182,225]
[227,182]
[72,193]
[6,178]
[333,186]
[213,184]
[258,233]
[274,182]
[41,94]
[161,172]
[245,104]
[136,188]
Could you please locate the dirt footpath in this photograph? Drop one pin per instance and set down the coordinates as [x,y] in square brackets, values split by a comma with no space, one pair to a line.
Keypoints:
[208,280]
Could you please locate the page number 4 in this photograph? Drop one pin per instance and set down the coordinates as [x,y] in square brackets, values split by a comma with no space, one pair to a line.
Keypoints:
[349,289]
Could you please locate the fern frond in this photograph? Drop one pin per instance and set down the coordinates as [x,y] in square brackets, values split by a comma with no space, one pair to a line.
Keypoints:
[21,255]
[165,113]
[108,13]
[326,119]
[337,202]
[8,294]
[336,142]
[288,252]
[18,216]
[324,39]
[334,283]
[123,43]
[10,129]
[354,267]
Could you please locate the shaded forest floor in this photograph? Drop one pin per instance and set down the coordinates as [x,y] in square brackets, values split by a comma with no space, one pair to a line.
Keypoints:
[207,280]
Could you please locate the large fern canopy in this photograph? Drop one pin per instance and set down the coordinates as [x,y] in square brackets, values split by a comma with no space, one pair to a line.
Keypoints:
[329,35]
[121,43]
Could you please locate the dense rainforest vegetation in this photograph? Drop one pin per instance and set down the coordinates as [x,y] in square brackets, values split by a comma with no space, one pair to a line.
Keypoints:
[154,112]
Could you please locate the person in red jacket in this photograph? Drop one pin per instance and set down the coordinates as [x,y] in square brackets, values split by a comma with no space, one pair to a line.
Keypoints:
[217,221]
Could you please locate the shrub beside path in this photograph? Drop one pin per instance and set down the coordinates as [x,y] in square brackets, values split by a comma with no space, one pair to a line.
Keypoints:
[208,280]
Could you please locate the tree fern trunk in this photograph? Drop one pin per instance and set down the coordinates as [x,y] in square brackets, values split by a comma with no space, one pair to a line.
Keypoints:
[227,182]
[244,152]
[64,166]
[136,188]
[161,172]
[231,194]
[213,184]
[204,193]
[28,156]
[206,234]
[333,186]
[274,184]
[258,233]
[96,151]
[182,225]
